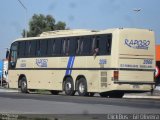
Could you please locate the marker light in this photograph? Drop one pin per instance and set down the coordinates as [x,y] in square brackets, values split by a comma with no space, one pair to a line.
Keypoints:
[116,75]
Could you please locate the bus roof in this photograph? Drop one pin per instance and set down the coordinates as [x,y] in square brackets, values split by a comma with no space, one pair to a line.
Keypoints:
[157,52]
[74,32]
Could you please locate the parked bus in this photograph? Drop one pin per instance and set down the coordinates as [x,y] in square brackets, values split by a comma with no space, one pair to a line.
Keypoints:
[157,64]
[110,62]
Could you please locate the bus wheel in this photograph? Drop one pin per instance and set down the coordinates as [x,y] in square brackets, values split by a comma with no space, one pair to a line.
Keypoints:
[82,87]
[69,86]
[23,83]
[54,92]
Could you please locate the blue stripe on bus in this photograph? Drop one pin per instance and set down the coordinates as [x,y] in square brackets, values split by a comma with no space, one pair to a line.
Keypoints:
[70,65]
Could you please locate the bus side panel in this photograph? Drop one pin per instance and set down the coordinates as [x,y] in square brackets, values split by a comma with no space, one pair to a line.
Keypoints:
[48,80]
[13,78]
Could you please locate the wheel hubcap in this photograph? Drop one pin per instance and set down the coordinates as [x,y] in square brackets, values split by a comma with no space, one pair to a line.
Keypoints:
[81,88]
[68,86]
[24,85]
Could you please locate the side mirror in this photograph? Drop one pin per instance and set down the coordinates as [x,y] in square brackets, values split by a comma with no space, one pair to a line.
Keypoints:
[7,54]
[6,73]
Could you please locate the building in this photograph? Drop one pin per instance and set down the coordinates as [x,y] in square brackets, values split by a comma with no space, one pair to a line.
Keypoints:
[1,69]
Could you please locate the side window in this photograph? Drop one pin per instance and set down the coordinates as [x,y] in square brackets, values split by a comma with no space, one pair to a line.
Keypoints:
[72,46]
[28,49]
[95,45]
[65,46]
[14,48]
[101,44]
[86,45]
[43,47]
[21,49]
[38,48]
[109,44]
[51,47]
[105,44]
[78,44]
[83,45]
[58,43]
[33,48]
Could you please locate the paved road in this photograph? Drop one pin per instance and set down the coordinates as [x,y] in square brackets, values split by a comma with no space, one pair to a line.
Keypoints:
[18,103]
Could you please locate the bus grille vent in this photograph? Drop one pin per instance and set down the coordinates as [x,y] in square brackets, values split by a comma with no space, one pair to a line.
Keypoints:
[103,79]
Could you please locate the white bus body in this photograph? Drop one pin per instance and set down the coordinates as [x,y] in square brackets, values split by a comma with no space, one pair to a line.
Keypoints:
[110,62]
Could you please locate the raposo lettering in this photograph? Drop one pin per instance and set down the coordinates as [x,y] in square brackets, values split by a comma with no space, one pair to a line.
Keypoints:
[138,44]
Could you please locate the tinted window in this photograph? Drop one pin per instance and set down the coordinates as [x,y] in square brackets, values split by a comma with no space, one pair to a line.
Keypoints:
[28,48]
[43,47]
[38,48]
[33,48]
[72,46]
[102,44]
[58,46]
[21,49]
[86,45]
[14,48]
[105,45]
[51,47]
[65,46]
[78,45]
[95,44]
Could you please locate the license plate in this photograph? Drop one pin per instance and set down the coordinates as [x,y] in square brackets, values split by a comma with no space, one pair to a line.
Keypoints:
[136,86]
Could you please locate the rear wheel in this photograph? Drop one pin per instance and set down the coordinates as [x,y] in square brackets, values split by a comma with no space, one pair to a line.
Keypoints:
[23,85]
[82,87]
[69,86]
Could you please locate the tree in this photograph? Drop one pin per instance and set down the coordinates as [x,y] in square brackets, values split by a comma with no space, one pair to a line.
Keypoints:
[41,23]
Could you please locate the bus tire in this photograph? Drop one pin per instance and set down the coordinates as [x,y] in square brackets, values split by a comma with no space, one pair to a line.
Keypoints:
[54,92]
[82,87]
[69,86]
[23,84]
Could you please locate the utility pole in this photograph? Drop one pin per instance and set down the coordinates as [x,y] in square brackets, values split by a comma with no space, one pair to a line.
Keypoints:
[25,16]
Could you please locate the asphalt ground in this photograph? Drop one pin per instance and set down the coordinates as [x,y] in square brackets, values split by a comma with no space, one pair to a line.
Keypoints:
[30,103]
[64,107]
[146,95]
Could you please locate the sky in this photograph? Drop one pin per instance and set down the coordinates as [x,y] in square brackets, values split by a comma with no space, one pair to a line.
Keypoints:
[78,14]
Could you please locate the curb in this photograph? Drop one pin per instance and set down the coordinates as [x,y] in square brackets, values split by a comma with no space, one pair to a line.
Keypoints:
[7,90]
[141,97]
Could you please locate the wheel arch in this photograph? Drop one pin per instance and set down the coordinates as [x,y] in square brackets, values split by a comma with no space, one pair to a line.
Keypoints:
[77,79]
[19,79]
[64,79]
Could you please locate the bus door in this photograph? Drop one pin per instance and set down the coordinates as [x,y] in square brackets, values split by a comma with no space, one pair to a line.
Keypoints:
[13,55]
